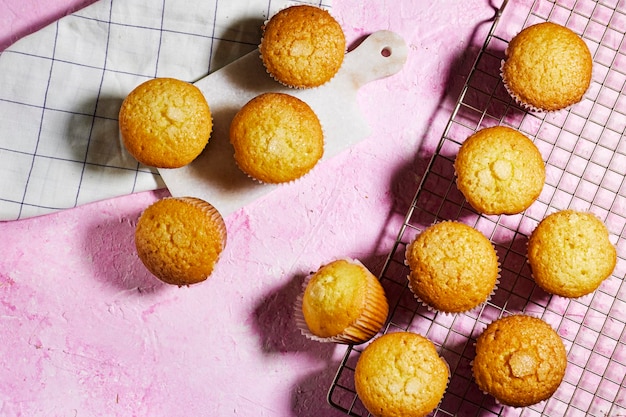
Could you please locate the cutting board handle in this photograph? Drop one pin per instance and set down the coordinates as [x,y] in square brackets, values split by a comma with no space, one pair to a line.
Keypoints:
[380,55]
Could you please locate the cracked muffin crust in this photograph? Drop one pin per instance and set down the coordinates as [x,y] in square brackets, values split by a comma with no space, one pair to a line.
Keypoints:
[165,123]
[547,67]
[180,239]
[520,360]
[401,374]
[499,171]
[277,138]
[303,46]
[570,253]
[453,267]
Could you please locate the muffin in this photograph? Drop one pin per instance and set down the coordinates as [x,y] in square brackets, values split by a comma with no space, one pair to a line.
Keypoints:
[342,302]
[180,239]
[570,253]
[165,123]
[302,46]
[453,267]
[277,138]
[520,360]
[401,374]
[547,67]
[499,171]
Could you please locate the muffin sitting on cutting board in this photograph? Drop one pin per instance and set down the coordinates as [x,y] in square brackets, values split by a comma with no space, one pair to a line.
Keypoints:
[165,123]
[277,138]
[302,46]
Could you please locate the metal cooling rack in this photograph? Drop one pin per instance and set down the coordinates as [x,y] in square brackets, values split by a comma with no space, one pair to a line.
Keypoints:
[585,152]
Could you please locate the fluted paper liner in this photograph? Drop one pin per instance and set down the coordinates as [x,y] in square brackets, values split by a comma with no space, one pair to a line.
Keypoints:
[366,326]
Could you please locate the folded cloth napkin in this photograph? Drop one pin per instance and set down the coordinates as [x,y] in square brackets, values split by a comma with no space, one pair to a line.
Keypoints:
[61,89]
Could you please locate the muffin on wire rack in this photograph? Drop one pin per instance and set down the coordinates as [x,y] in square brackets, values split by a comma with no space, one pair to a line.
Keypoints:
[520,360]
[401,374]
[570,253]
[342,302]
[277,138]
[302,46]
[547,67]
[453,267]
[499,171]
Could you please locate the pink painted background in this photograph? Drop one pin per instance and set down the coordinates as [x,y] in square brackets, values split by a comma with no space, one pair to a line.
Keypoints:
[85,330]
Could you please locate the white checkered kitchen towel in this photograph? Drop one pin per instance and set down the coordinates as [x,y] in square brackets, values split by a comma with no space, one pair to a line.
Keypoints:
[61,89]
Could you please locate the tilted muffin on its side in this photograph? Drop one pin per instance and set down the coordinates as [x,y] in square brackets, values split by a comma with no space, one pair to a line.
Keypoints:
[520,360]
[165,123]
[453,267]
[303,46]
[277,138]
[570,253]
[547,67]
[180,239]
[401,374]
[499,171]
[342,302]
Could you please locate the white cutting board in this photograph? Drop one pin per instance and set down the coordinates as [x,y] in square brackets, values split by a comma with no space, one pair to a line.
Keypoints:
[214,175]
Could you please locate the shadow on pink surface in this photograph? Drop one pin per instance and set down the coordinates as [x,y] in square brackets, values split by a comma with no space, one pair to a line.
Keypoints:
[111,246]
[406,178]
[279,335]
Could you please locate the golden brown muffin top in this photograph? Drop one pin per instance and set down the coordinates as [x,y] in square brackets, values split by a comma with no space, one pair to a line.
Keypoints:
[453,267]
[499,171]
[180,239]
[337,295]
[547,66]
[165,123]
[570,253]
[401,374]
[302,46]
[520,360]
[277,138]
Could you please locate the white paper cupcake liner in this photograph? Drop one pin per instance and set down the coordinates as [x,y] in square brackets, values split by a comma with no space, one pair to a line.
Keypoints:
[527,106]
[215,216]
[518,99]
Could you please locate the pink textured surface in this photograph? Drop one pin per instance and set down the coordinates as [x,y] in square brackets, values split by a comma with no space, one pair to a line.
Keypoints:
[86,330]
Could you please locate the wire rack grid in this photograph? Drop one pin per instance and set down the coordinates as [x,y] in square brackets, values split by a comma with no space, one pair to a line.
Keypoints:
[585,157]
